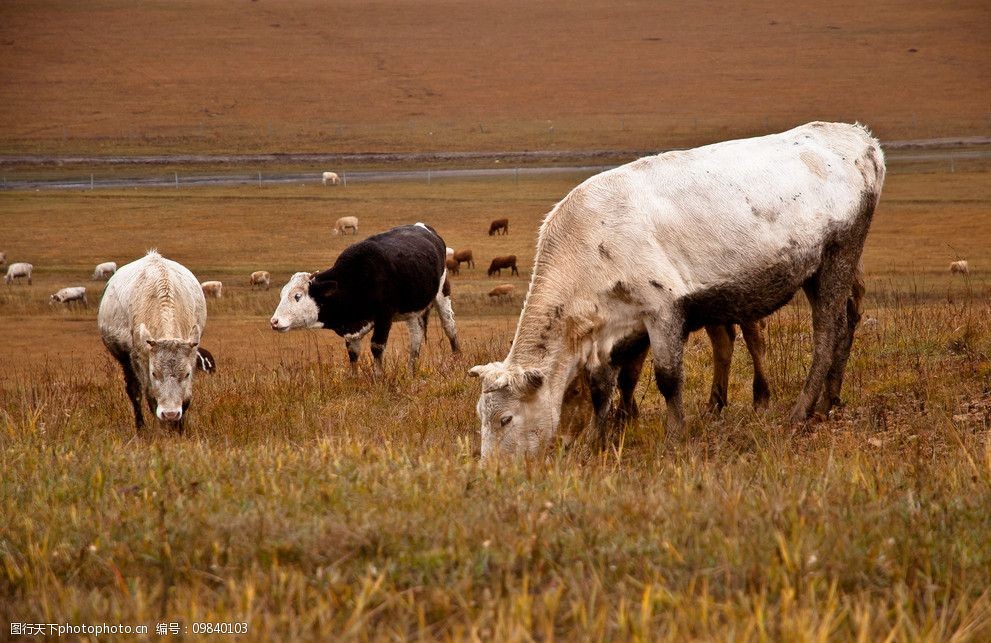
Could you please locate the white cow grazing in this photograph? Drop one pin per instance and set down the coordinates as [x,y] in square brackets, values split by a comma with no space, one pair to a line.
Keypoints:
[18,270]
[342,225]
[667,244]
[331,177]
[69,295]
[151,317]
[213,289]
[104,270]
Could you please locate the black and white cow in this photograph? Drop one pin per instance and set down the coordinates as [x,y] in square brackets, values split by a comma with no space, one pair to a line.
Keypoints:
[396,275]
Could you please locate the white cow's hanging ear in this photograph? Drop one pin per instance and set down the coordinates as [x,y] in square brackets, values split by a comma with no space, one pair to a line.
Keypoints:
[145,336]
[194,336]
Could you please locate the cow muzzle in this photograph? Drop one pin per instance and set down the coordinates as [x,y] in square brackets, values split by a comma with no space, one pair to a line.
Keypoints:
[170,415]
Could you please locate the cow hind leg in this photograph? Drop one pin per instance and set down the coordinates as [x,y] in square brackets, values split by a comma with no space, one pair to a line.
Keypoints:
[754,338]
[722,337]
[827,292]
[834,378]
[417,330]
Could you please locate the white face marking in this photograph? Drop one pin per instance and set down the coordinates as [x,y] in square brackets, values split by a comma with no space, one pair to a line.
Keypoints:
[296,308]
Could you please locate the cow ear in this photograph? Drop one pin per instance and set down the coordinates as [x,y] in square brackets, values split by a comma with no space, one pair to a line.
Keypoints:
[145,336]
[529,382]
[323,287]
[194,336]
[477,371]
[313,275]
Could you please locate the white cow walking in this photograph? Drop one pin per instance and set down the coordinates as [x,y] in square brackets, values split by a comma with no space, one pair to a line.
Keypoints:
[667,244]
[151,317]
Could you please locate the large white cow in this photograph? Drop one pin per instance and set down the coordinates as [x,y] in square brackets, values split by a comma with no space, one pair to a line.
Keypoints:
[667,244]
[151,317]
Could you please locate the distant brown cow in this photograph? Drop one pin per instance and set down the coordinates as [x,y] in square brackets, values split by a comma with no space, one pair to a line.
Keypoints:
[505,291]
[499,226]
[509,261]
[464,256]
[453,267]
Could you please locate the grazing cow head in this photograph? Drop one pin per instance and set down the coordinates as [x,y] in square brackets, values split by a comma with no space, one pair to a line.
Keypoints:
[297,309]
[170,371]
[515,409]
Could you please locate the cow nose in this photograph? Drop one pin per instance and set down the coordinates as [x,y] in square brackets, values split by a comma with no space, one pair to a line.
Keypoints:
[171,416]
[275,323]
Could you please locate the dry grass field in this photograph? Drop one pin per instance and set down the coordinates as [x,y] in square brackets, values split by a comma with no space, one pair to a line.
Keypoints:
[311,505]
[117,77]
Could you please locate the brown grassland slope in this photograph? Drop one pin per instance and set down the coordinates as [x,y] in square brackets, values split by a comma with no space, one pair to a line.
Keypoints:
[311,505]
[113,76]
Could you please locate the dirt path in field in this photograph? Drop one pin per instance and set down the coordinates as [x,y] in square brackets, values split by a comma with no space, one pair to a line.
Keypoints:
[521,164]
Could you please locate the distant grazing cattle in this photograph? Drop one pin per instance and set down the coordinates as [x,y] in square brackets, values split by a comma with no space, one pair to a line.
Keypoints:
[69,295]
[464,256]
[331,178]
[499,226]
[18,270]
[959,268]
[453,267]
[505,291]
[631,251]
[261,278]
[151,317]
[503,263]
[396,275]
[450,252]
[213,289]
[342,225]
[104,270]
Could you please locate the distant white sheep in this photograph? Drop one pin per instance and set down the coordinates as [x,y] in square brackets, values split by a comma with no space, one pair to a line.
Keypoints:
[104,271]
[18,270]
[261,278]
[69,295]
[213,289]
[342,225]
[959,268]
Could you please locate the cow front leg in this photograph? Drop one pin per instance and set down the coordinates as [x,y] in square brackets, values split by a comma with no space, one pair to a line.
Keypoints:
[754,338]
[380,337]
[667,343]
[602,383]
[722,338]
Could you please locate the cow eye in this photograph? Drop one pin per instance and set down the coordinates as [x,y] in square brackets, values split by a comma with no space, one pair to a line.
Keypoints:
[505,420]
[157,374]
[299,296]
